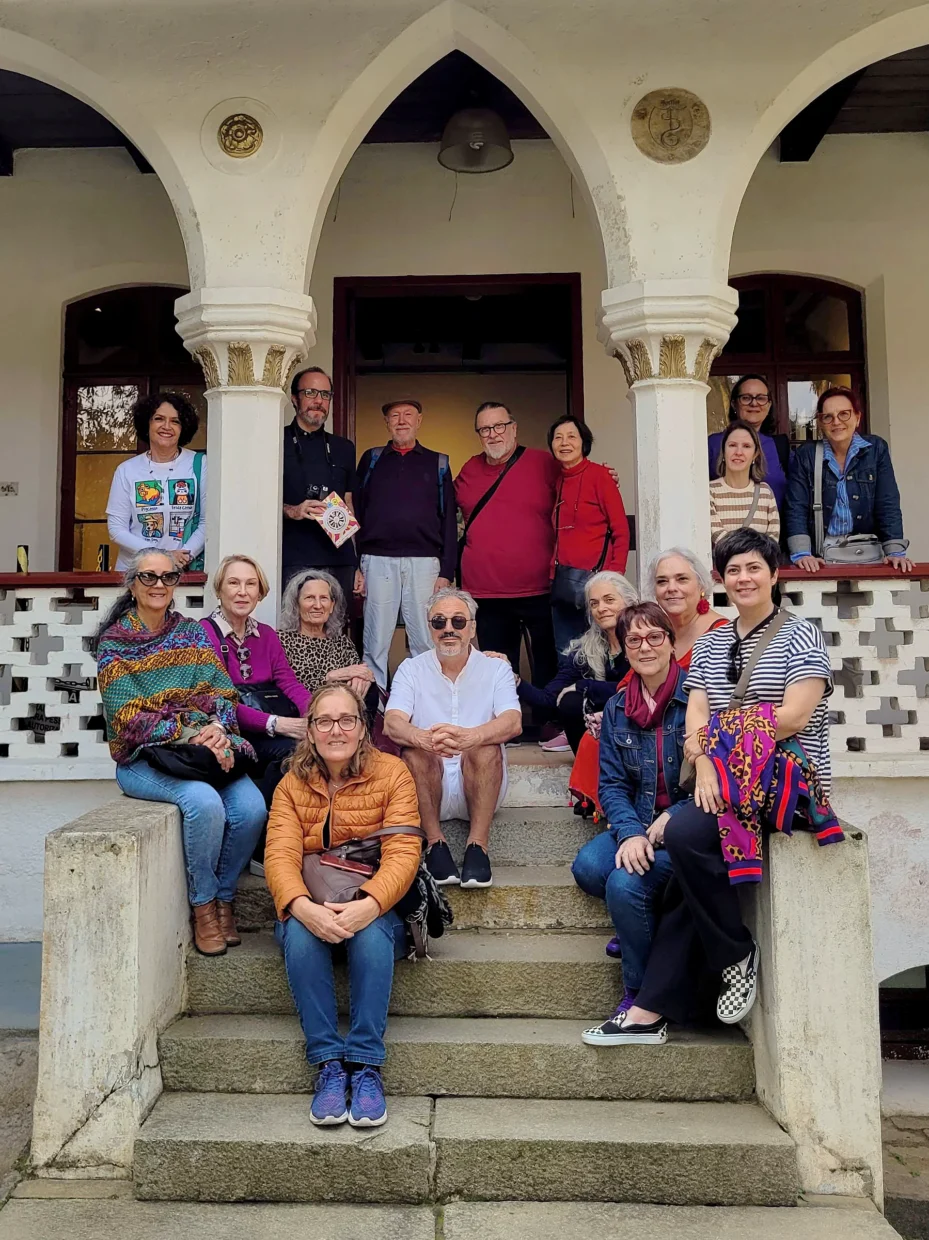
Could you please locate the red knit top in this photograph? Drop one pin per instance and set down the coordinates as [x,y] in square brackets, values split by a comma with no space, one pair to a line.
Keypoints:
[589,508]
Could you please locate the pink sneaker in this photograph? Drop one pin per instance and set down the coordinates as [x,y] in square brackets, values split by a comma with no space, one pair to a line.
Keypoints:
[558,744]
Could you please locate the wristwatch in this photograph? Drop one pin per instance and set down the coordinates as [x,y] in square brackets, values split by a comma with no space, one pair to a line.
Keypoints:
[271,725]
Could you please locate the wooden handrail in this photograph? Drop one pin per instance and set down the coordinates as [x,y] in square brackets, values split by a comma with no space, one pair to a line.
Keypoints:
[39,581]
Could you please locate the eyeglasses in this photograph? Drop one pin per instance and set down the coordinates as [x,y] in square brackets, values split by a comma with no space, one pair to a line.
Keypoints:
[497,429]
[754,400]
[441,622]
[170,578]
[655,638]
[314,393]
[345,723]
[841,415]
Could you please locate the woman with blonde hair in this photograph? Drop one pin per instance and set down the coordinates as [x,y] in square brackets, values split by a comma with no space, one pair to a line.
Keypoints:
[340,789]
[739,496]
[272,701]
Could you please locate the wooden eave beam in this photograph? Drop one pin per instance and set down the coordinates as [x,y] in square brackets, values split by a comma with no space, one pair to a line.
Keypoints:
[801,136]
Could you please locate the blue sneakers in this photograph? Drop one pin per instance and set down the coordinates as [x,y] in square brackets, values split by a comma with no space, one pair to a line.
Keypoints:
[369,1106]
[329,1105]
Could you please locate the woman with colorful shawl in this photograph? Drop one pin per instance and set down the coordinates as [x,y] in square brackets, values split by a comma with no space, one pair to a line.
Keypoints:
[771,747]
[162,684]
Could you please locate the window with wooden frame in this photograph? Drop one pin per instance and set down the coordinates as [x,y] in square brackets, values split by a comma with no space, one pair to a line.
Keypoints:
[803,335]
[119,346]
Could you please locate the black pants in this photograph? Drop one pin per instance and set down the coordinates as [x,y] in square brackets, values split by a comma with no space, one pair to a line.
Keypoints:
[571,717]
[701,918]
[501,623]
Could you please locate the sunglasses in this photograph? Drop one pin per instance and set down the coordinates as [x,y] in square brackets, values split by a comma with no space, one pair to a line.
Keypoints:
[441,622]
[170,578]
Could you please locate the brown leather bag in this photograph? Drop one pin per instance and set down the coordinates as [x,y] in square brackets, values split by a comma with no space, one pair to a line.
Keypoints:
[335,875]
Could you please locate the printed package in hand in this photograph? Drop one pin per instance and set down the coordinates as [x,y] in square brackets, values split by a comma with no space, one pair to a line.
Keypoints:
[337,520]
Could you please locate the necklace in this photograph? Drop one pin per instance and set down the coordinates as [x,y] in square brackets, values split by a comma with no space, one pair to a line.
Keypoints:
[177,453]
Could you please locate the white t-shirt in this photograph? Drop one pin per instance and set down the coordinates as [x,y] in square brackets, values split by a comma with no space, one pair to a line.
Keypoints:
[151,503]
[485,688]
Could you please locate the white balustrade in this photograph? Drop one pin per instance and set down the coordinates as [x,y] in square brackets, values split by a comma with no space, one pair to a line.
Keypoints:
[51,724]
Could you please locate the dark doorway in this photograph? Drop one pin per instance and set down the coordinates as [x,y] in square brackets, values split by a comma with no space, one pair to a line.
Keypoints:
[453,342]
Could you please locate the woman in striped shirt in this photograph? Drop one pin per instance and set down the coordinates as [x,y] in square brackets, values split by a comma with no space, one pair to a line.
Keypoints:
[740,497]
[701,906]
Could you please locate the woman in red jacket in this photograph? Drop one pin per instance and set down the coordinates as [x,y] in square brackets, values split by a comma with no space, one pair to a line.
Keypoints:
[591,529]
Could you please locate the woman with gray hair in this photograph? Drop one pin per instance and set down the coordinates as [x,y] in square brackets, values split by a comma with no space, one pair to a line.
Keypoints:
[311,632]
[591,667]
[682,587]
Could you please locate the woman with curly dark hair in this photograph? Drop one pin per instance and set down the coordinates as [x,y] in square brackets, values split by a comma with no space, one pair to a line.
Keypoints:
[158,498]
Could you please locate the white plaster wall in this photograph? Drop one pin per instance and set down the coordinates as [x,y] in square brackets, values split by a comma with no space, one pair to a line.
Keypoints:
[390,218]
[857,213]
[28,811]
[71,223]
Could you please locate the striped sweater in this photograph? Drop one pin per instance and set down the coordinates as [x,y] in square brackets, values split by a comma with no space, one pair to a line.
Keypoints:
[729,508]
[157,687]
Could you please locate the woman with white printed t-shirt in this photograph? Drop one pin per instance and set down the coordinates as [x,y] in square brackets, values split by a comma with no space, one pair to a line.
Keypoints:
[158,498]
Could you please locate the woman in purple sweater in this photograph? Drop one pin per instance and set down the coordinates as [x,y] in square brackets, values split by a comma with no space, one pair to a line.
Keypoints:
[272,701]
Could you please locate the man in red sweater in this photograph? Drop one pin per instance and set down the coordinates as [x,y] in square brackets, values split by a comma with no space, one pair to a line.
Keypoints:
[508,553]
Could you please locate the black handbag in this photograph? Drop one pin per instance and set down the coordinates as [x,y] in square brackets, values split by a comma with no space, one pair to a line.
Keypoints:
[195,762]
[568,583]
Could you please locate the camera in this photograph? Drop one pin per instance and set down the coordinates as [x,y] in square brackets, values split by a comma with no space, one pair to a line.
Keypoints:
[317,491]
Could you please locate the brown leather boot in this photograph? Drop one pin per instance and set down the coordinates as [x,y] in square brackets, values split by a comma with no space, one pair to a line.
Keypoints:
[227,926]
[209,939]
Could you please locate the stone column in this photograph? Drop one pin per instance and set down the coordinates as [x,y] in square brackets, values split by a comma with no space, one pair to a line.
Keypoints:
[247,340]
[665,335]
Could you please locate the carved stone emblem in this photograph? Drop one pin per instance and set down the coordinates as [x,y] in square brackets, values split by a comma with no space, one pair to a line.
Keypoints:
[240,135]
[670,126]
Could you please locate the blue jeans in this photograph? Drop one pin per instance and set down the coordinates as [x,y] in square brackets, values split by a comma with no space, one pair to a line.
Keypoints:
[630,899]
[308,961]
[394,585]
[220,827]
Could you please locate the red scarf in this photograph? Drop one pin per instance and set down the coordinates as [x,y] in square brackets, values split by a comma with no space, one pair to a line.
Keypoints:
[637,708]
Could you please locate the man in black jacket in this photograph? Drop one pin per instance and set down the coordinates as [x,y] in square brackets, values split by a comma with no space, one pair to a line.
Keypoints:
[405,502]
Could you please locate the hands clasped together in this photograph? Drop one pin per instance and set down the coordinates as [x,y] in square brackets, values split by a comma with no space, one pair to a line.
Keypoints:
[216,740]
[333,923]
[446,739]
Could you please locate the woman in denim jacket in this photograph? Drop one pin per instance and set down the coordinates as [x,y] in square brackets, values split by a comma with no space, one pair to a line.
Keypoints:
[860,493]
[641,748]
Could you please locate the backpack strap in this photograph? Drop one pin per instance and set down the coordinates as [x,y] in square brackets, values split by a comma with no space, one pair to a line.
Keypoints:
[372,461]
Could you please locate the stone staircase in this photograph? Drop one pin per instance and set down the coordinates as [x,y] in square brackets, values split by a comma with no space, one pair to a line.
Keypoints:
[492,1095]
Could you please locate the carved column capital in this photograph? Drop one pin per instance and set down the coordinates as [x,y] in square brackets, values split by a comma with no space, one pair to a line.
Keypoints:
[246,337]
[667,329]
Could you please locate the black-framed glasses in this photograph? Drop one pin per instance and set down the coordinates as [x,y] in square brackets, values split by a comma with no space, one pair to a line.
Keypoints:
[753,400]
[345,723]
[654,639]
[441,622]
[314,393]
[170,578]
[497,429]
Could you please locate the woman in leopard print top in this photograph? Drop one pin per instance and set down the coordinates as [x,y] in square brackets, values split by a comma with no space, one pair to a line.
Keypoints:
[312,622]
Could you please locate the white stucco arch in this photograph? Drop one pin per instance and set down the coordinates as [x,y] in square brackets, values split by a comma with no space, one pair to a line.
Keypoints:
[872,43]
[452,26]
[21,54]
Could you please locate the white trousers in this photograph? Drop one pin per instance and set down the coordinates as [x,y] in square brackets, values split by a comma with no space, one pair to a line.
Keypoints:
[393,586]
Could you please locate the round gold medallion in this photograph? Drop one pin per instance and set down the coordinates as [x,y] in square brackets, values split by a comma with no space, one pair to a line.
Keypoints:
[670,126]
[240,136]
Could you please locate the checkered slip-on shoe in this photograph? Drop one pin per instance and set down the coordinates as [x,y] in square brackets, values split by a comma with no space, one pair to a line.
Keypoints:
[740,985]
[618,1032]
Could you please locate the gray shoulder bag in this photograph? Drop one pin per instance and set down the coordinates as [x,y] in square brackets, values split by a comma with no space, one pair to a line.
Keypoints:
[754,507]
[688,778]
[847,548]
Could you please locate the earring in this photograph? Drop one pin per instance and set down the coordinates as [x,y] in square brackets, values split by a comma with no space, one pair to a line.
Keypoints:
[704,605]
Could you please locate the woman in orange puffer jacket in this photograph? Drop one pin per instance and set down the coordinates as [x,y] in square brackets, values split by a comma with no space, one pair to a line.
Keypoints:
[340,788]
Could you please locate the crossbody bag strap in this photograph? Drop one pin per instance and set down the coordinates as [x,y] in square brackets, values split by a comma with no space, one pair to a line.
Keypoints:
[375,835]
[754,506]
[223,644]
[764,641]
[490,492]
[818,530]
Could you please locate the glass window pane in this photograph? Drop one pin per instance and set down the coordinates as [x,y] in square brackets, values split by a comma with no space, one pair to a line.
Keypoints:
[104,418]
[717,402]
[815,321]
[88,537]
[750,333]
[93,477]
[802,395]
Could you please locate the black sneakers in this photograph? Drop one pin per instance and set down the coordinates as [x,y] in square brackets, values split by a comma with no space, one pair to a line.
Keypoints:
[739,987]
[475,872]
[441,864]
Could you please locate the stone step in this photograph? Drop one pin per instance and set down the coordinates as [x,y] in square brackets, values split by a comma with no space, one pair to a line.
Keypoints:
[542,897]
[668,1153]
[262,1147]
[74,1219]
[471,973]
[535,777]
[501,1058]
